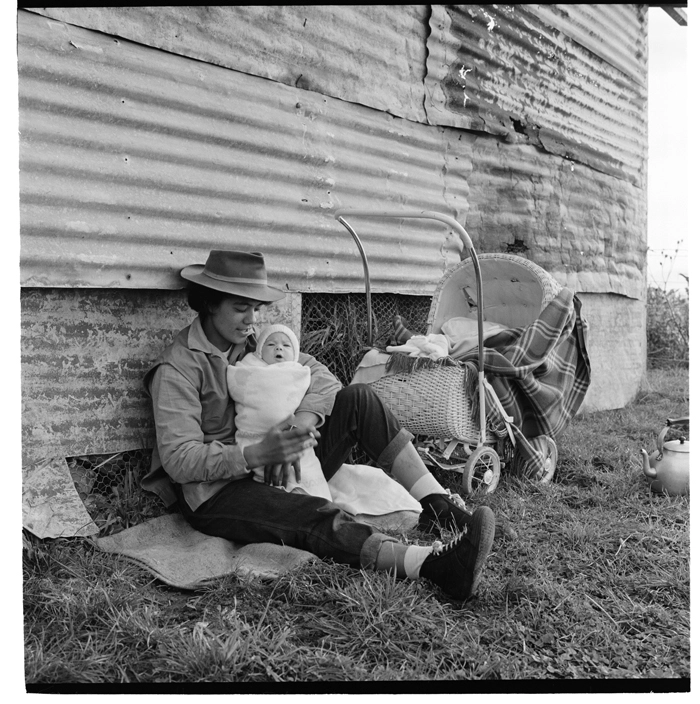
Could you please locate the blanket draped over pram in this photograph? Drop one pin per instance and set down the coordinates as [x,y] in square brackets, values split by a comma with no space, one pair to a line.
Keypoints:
[540,373]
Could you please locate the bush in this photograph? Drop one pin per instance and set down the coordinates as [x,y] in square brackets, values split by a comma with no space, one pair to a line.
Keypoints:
[668,323]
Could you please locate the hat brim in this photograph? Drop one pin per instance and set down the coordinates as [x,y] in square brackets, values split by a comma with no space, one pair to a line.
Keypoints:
[255,292]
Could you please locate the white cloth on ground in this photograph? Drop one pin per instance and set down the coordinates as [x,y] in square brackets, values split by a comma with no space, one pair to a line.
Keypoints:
[360,489]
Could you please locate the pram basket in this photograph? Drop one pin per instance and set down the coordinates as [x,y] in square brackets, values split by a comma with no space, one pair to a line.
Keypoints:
[438,400]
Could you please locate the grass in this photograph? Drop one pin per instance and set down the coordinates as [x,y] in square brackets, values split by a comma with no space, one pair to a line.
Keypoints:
[595,585]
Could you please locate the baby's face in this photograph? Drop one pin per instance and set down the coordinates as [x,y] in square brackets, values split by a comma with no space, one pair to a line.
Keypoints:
[277,348]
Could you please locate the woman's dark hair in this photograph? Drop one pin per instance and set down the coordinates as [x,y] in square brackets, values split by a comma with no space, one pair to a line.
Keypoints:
[203,300]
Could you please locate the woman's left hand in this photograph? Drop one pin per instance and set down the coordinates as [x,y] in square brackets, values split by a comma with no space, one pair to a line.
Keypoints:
[280,474]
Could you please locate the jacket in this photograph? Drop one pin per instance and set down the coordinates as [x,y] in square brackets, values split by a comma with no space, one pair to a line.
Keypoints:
[195,416]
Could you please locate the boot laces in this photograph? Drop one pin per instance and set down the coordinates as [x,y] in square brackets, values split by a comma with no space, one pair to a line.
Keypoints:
[457,500]
[439,547]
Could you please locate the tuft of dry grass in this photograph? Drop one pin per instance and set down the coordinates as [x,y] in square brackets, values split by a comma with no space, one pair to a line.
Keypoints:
[595,585]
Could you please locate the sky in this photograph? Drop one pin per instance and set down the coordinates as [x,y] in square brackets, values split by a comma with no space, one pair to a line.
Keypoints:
[668,209]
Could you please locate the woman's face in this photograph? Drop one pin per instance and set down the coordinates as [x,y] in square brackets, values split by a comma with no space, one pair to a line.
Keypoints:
[231,321]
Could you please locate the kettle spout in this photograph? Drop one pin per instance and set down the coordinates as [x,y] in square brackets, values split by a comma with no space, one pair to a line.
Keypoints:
[646,467]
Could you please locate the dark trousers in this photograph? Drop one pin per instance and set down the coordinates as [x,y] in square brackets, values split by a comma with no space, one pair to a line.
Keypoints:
[246,511]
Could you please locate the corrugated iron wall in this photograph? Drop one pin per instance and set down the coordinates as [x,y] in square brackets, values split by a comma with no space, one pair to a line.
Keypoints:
[137,159]
[521,72]
[135,162]
[84,354]
[372,55]
[151,134]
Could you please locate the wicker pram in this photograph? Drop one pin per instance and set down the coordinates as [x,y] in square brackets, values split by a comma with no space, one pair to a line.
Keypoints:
[445,400]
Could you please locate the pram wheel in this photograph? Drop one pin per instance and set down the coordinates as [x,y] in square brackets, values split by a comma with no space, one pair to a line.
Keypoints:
[482,471]
[549,449]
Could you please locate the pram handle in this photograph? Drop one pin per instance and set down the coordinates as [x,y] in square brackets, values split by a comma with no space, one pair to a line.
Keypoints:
[425,214]
[468,246]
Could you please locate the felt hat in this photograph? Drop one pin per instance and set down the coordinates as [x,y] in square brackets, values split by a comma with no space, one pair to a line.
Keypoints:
[277,327]
[238,273]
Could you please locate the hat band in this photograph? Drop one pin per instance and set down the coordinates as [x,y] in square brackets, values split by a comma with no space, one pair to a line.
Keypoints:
[233,280]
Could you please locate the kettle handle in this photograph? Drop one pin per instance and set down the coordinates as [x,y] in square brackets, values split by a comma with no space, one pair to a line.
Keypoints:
[660,440]
[683,423]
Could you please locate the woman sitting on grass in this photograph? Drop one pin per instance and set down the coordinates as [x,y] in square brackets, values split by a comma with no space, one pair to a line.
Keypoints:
[197,462]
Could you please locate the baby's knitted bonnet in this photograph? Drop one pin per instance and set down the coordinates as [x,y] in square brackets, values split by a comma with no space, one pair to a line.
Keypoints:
[266,332]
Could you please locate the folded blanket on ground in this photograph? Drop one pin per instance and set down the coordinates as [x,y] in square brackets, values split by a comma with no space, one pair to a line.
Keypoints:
[178,555]
[182,557]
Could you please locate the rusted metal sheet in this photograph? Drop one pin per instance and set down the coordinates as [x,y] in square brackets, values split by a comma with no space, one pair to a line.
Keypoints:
[84,354]
[584,227]
[135,162]
[616,33]
[51,505]
[568,79]
[372,55]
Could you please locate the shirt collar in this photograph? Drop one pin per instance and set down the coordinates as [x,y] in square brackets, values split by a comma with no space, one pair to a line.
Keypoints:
[197,340]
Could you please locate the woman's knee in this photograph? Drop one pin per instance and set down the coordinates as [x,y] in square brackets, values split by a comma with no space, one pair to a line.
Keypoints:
[357,394]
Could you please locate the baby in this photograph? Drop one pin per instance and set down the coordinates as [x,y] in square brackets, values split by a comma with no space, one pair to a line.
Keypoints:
[267,387]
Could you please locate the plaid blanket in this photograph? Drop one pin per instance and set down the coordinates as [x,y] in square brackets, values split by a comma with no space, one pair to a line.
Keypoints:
[540,373]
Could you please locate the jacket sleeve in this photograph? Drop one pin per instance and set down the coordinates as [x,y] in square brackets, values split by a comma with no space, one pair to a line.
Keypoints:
[324,386]
[186,457]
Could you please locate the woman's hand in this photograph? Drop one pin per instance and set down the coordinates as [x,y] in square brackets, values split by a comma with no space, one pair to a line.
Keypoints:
[280,474]
[280,450]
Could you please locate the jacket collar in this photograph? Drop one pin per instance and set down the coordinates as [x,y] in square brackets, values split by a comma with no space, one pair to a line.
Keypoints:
[197,340]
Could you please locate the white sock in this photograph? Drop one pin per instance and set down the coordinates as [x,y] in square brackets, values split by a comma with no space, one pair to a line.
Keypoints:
[414,558]
[425,486]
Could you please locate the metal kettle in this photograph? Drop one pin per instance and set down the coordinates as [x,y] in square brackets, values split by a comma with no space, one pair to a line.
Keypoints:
[669,468]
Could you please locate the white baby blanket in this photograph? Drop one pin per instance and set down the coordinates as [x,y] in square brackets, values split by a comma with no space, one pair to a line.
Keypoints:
[267,394]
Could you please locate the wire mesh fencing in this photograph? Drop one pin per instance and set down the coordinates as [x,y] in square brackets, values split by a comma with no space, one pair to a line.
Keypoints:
[109,487]
[334,325]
